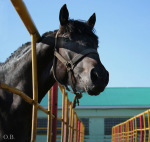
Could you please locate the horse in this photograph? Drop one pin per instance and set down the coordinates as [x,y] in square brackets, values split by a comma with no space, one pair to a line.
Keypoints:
[70,43]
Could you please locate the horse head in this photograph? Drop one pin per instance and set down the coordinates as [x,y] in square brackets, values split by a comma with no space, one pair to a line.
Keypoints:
[78,63]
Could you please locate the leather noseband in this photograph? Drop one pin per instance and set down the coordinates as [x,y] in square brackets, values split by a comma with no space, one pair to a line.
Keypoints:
[70,65]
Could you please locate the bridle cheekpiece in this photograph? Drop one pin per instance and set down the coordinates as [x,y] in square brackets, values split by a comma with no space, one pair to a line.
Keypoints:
[70,65]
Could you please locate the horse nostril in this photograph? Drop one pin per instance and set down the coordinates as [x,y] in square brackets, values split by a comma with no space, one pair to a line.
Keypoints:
[94,75]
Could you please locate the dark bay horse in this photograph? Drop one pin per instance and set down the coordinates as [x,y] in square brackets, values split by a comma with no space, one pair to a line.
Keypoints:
[73,37]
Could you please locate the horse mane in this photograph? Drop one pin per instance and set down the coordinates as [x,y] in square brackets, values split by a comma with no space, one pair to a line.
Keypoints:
[17,52]
[73,26]
[50,33]
[24,48]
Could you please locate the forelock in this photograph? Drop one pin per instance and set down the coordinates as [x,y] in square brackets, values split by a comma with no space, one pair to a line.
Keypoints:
[81,27]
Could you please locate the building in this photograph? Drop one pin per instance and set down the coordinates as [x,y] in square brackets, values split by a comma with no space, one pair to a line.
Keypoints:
[100,113]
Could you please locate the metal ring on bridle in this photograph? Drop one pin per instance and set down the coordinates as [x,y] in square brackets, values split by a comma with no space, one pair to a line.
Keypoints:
[70,65]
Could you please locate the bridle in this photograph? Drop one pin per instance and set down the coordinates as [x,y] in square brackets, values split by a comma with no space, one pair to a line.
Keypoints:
[70,65]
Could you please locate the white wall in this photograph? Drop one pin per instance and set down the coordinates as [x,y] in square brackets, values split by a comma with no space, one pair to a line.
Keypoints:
[96,120]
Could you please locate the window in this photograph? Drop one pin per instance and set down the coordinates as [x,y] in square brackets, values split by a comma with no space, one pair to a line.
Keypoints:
[110,122]
[58,127]
[42,126]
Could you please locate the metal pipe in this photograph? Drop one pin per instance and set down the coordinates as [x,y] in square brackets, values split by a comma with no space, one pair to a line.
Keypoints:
[148,125]
[70,120]
[16,91]
[79,130]
[49,123]
[43,109]
[72,125]
[141,127]
[131,127]
[59,119]
[35,88]
[25,17]
[82,132]
[75,127]
[54,110]
[23,95]
[65,130]
[144,127]
[63,111]
[120,133]
[135,130]
[35,36]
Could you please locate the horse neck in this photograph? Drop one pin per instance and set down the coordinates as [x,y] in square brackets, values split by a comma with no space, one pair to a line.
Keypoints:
[44,66]
[18,73]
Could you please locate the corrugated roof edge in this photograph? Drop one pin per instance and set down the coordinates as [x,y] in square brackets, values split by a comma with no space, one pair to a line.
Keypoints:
[110,107]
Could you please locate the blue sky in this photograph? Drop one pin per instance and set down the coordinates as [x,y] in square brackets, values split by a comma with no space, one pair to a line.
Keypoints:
[123,28]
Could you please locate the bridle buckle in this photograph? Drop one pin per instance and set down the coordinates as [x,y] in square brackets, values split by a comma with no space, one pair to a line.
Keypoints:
[69,66]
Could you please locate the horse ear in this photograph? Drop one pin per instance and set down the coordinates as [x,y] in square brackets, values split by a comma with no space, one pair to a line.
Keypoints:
[92,20]
[63,15]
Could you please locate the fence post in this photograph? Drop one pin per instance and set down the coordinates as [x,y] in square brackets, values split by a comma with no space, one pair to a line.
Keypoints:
[125,132]
[35,88]
[148,125]
[83,133]
[25,17]
[128,131]
[116,134]
[135,130]
[120,133]
[144,127]
[133,123]
[29,24]
[79,131]
[65,130]
[72,125]
[63,112]
[54,110]
[141,127]
[75,127]
[131,128]
[49,122]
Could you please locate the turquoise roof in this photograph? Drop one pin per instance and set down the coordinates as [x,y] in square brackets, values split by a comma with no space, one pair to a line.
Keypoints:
[111,96]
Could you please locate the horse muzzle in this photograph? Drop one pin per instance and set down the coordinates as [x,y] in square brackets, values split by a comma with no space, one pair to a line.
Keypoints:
[97,83]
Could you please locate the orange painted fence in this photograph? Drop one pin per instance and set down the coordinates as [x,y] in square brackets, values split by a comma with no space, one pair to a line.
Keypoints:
[72,129]
[136,129]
